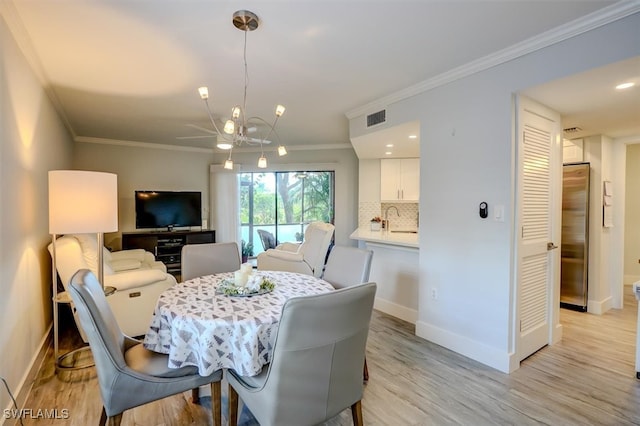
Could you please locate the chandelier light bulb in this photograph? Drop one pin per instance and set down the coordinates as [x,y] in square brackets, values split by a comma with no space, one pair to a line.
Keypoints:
[280,110]
[282,150]
[229,127]
[235,112]
[204,92]
[228,164]
[262,162]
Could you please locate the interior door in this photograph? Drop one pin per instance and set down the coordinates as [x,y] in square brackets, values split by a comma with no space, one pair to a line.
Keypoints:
[539,208]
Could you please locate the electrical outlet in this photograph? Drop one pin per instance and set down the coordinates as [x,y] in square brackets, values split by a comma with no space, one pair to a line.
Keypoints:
[434,293]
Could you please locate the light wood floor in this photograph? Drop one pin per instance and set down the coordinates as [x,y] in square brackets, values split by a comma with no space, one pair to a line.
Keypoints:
[587,379]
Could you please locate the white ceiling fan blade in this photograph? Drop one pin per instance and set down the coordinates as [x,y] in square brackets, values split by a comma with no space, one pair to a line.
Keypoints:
[204,129]
[196,137]
[256,141]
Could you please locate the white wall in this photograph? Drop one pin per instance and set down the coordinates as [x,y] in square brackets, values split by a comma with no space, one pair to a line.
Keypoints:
[632,216]
[618,173]
[468,156]
[598,152]
[146,169]
[172,169]
[33,141]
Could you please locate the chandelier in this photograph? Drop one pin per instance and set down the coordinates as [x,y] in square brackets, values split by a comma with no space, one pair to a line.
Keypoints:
[238,129]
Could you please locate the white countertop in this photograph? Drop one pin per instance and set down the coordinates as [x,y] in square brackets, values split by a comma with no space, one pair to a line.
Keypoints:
[386,237]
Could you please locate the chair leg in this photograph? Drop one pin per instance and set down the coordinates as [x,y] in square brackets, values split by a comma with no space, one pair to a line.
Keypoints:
[365,372]
[216,404]
[356,413]
[233,406]
[115,420]
[195,395]
[103,417]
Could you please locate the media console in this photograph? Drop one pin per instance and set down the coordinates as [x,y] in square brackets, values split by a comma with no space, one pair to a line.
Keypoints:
[166,246]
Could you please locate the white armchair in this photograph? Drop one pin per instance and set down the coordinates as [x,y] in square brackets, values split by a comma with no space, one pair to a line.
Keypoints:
[307,257]
[135,274]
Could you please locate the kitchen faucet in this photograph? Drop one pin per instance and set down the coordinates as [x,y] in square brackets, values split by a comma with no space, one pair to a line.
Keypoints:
[386,212]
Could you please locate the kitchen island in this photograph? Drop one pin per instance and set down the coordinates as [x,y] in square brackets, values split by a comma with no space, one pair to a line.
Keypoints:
[403,238]
[395,269]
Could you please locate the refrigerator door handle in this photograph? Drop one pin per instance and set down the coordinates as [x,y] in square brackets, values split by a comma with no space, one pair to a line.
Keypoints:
[551,246]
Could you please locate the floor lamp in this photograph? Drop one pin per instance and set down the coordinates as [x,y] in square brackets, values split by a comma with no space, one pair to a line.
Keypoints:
[80,202]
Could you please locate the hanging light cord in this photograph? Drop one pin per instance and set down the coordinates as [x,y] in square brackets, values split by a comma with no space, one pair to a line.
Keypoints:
[246,83]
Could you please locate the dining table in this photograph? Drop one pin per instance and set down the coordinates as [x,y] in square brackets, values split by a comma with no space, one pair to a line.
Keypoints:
[198,325]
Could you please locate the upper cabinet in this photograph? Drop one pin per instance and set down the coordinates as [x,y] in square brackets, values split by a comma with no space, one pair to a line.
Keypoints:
[400,179]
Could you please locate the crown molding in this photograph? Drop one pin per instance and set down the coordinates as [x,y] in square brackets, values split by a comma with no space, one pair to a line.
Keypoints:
[138,144]
[628,140]
[11,16]
[581,25]
[151,145]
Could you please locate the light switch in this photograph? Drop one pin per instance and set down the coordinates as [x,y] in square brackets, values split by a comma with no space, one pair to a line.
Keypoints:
[498,213]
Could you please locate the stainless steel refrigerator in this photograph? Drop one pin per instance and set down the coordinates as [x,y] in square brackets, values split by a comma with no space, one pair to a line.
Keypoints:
[574,272]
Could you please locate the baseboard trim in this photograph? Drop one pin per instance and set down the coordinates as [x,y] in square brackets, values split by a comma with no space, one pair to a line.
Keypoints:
[22,391]
[395,310]
[599,307]
[492,357]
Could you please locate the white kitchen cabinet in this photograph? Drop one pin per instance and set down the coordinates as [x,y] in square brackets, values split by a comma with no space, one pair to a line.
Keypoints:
[400,179]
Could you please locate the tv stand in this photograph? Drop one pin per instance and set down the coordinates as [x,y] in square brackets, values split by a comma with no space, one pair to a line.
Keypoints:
[167,245]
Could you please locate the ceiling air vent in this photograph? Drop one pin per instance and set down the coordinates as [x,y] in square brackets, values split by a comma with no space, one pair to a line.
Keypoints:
[572,130]
[376,118]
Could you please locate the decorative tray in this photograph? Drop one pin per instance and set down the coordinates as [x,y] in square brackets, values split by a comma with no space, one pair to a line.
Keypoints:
[229,288]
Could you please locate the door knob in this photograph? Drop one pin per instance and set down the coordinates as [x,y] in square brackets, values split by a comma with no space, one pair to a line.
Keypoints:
[551,246]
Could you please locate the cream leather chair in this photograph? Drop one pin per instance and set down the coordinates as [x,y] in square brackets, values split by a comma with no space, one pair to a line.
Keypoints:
[307,257]
[135,274]
[207,259]
[128,374]
[315,372]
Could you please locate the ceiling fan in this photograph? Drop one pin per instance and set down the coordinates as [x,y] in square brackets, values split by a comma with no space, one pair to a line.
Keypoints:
[213,134]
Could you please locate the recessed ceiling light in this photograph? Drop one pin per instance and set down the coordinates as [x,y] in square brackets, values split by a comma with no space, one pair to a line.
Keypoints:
[389,145]
[625,85]
[413,137]
[388,153]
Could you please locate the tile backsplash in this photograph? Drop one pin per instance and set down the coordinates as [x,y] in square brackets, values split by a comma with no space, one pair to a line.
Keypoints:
[407,219]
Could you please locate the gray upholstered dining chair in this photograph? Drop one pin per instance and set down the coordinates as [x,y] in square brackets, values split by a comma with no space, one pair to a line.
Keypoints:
[197,260]
[345,267]
[315,369]
[207,259]
[129,375]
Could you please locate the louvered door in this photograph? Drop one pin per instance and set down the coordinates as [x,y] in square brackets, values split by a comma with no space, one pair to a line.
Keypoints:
[536,273]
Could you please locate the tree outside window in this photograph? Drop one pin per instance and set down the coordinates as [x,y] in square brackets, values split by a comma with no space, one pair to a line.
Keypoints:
[283,203]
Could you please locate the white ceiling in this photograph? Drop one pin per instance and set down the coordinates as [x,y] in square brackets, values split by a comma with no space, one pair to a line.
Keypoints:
[590,101]
[129,70]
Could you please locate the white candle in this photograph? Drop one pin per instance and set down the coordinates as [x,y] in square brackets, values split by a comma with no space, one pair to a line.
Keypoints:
[240,278]
[246,268]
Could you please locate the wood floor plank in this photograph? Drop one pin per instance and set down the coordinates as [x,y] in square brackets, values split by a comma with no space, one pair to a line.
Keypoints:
[586,379]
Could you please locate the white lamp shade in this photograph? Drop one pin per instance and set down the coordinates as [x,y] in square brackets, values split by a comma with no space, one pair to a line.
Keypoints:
[82,202]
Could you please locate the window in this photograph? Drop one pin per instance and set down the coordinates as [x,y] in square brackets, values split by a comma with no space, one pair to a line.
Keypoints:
[283,204]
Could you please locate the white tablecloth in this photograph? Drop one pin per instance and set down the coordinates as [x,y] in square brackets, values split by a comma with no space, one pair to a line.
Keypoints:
[198,327]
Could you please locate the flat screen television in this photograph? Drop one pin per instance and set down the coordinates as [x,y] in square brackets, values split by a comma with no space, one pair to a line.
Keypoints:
[168,209]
